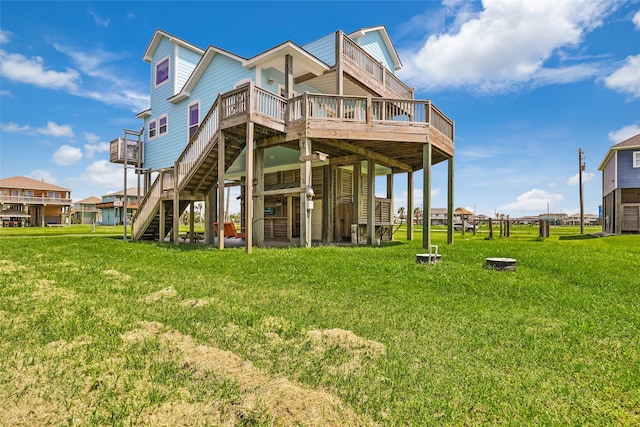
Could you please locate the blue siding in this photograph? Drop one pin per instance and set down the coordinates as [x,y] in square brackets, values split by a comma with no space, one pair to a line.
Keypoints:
[324,49]
[220,76]
[185,63]
[628,176]
[278,78]
[372,42]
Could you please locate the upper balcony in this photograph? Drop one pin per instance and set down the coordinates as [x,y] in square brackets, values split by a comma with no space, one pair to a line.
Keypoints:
[134,151]
[34,200]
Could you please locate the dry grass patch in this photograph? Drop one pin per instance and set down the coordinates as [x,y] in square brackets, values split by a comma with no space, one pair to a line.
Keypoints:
[162,294]
[286,401]
[116,274]
[7,266]
[356,347]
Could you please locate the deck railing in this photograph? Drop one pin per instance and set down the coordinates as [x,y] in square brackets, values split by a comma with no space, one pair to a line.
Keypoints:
[371,65]
[243,100]
[35,200]
[354,109]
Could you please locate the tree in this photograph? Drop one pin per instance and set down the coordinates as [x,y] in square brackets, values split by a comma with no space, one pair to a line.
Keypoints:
[417,214]
[401,215]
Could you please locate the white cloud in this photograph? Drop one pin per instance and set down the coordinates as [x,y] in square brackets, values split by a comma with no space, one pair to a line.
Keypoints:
[4,36]
[627,78]
[5,92]
[92,149]
[532,200]
[13,127]
[67,155]
[624,133]
[21,69]
[506,45]
[54,129]
[586,177]
[104,174]
[636,20]
[91,137]
[102,22]
[43,175]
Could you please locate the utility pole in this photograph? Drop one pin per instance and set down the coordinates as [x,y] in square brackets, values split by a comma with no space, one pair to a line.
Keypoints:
[581,168]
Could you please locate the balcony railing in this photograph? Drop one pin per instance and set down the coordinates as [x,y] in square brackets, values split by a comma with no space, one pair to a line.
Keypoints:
[34,200]
[368,110]
[372,66]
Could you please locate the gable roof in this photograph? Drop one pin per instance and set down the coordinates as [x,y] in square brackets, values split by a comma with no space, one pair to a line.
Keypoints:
[397,64]
[26,183]
[89,201]
[633,142]
[304,63]
[157,37]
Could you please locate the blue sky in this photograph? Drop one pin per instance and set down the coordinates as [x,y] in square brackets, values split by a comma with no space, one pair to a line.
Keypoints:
[528,83]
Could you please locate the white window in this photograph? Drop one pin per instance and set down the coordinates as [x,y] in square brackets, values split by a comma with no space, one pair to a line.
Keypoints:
[193,118]
[152,129]
[162,71]
[163,125]
[636,159]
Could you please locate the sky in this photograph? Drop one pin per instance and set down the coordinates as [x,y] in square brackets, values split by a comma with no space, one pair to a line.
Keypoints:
[528,83]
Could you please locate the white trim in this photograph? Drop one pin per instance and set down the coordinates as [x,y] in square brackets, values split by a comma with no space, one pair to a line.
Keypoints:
[149,137]
[175,68]
[155,72]
[239,83]
[189,117]
[636,159]
[166,125]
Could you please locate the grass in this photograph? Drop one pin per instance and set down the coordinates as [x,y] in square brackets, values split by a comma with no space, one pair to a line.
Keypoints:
[97,331]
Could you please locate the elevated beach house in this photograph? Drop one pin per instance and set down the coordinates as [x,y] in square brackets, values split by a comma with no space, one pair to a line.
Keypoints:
[303,130]
[621,187]
[26,201]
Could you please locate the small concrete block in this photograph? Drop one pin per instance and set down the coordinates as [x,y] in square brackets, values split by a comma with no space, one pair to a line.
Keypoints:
[428,258]
[503,264]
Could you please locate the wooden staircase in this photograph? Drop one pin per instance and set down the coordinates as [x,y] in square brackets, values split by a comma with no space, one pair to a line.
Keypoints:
[195,172]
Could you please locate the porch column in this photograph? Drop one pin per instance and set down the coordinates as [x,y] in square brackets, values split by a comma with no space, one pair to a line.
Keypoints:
[357,196]
[409,205]
[618,211]
[209,215]
[163,218]
[305,182]
[371,202]
[192,211]
[339,72]
[288,76]
[221,168]
[392,213]
[327,203]
[258,206]
[176,206]
[450,202]
[426,196]
[248,207]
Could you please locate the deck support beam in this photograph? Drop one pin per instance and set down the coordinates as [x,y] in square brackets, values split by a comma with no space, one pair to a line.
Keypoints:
[426,196]
[288,76]
[192,211]
[410,206]
[357,196]
[162,232]
[327,196]
[248,193]
[176,206]
[371,202]
[305,182]
[258,206]
[221,168]
[210,208]
[450,202]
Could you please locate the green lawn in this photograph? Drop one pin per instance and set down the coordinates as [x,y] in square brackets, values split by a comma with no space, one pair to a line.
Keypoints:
[98,331]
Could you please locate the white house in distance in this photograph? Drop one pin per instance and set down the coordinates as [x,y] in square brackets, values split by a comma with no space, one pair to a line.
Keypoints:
[621,187]
[303,130]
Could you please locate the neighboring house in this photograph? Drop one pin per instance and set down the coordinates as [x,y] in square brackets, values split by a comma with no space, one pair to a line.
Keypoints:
[621,187]
[588,219]
[112,206]
[554,218]
[85,211]
[438,216]
[27,201]
[307,127]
